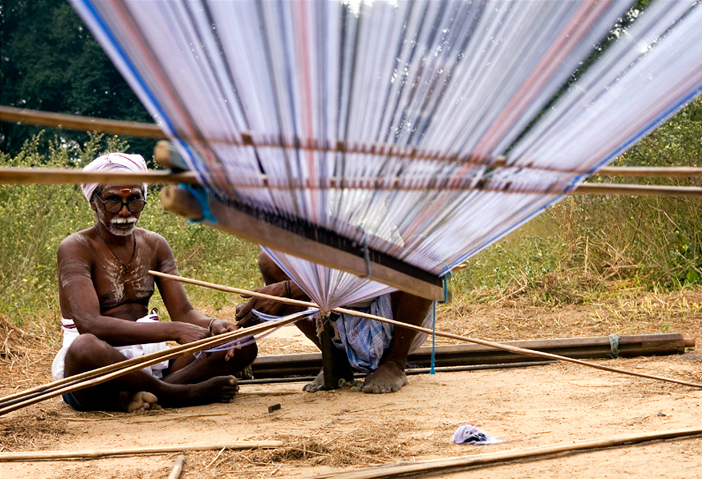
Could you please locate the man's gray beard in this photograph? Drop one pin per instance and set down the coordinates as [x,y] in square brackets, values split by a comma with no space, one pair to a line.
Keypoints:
[100,216]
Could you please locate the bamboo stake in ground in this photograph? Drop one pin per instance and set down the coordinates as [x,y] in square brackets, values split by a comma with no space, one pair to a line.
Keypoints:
[177,467]
[491,344]
[134,451]
[458,463]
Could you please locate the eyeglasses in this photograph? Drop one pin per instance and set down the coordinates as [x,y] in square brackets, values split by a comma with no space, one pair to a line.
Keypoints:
[115,206]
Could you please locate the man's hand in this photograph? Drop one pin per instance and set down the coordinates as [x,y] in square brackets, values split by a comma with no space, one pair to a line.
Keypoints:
[246,318]
[219,326]
[187,333]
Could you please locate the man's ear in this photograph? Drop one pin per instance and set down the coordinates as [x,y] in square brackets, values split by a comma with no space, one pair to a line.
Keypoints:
[92,205]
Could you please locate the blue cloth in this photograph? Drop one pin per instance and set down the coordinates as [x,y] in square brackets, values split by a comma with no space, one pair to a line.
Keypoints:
[72,400]
[365,340]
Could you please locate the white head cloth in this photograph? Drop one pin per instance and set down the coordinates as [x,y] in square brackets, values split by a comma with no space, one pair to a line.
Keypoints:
[113,161]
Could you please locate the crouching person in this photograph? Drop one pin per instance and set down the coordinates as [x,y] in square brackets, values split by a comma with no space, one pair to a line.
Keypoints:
[104,293]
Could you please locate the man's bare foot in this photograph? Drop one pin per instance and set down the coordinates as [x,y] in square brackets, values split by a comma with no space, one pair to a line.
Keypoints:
[141,402]
[388,378]
[217,389]
[318,383]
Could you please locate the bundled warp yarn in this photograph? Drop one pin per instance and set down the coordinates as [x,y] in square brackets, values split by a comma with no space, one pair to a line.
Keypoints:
[425,130]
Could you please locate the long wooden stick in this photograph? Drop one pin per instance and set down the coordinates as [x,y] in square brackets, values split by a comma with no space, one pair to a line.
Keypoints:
[69,176]
[81,123]
[107,373]
[651,171]
[491,344]
[458,463]
[636,190]
[134,451]
[58,176]
[158,356]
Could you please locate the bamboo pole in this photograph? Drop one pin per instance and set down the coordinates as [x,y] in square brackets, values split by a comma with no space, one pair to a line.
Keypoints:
[150,130]
[459,463]
[101,375]
[68,176]
[638,190]
[177,467]
[58,176]
[491,344]
[460,355]
[81,123]
[651,171]
[134,451]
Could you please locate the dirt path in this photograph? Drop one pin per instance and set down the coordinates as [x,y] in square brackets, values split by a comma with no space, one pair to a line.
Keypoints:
[345,430]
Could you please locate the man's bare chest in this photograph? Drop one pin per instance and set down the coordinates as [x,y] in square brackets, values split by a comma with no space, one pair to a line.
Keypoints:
[116,285]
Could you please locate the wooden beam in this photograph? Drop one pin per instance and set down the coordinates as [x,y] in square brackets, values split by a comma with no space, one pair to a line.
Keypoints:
[253,229]
[150,130]
[470,354]
[636,190]
[651,171]
[81,123]
[58,176]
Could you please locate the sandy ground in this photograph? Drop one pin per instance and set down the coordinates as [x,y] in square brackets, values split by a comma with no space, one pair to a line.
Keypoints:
[342,430]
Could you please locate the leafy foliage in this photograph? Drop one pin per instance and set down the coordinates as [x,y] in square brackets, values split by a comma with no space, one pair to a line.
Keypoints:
[51,62]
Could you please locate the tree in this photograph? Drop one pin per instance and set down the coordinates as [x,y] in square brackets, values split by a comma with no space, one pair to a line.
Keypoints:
[51,62]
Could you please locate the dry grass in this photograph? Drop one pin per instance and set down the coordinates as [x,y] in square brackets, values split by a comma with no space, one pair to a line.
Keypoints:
[381,444]
[37,428]
[513,314]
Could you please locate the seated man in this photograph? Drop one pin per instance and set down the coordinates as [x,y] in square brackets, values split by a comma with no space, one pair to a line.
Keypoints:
[104,293]
[364,345]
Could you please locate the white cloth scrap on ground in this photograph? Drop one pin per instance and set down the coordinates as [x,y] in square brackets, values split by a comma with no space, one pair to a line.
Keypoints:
[70,333]
[365,340]
[469,434]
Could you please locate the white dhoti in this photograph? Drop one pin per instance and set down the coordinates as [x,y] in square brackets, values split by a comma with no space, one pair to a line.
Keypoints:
[70,333]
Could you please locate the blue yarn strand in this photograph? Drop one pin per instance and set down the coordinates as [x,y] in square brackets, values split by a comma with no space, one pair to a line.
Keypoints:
[433,339]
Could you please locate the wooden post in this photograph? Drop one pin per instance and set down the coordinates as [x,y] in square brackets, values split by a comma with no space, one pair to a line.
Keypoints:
[177,467]
[330,379]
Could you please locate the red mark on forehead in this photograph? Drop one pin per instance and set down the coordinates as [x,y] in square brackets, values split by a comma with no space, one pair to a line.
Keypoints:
[125,190]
